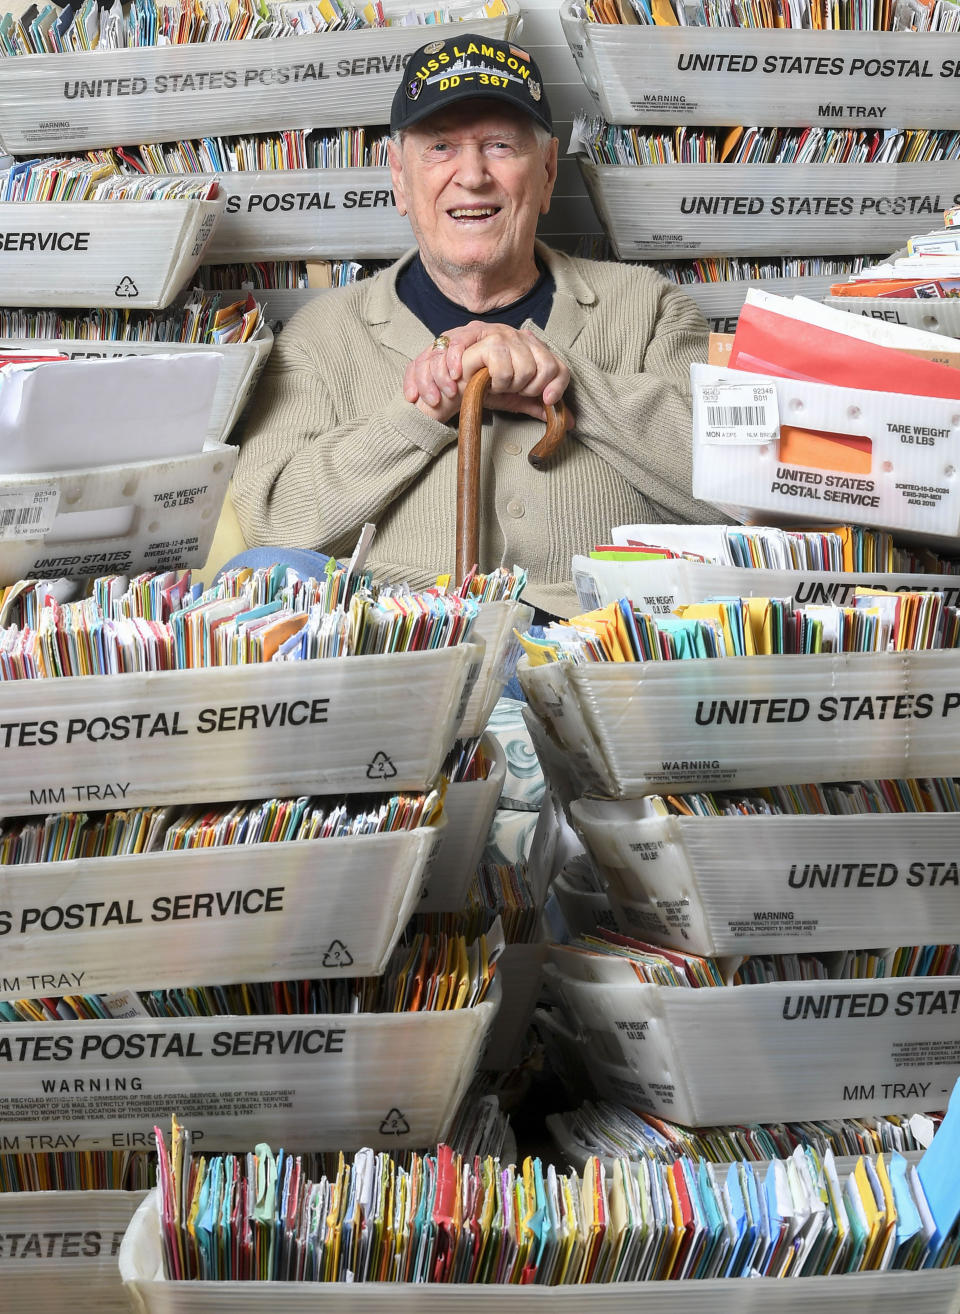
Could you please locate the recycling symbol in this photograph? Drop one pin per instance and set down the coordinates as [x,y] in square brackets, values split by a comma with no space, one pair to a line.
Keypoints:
[381,768]
[337,955]
[394,1124]
[126,288]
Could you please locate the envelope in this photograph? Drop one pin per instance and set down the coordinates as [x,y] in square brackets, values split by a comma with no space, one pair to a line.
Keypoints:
[767,342]
[77,414]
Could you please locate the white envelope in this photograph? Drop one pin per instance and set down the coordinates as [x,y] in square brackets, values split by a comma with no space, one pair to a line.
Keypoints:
[71,415]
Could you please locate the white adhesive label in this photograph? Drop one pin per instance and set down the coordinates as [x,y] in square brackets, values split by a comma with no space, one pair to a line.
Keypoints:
[739,413]
[28,511]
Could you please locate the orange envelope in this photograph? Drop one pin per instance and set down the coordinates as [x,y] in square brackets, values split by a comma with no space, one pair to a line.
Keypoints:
[279,632]
[874,287]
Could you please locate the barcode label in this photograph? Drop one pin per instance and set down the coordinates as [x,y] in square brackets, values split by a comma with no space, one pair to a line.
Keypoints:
[27,511]
[736,416]
[20,516]
[737,413]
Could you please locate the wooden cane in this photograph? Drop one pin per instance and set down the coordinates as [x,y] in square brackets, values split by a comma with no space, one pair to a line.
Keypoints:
[468,465]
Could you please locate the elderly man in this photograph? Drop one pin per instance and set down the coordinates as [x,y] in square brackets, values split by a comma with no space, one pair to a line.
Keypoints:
[356,416]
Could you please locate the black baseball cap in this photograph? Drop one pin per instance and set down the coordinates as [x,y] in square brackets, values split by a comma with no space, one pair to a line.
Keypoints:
[469,67]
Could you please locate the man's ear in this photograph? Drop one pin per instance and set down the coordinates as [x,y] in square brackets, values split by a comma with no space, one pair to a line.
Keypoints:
[550,165]
[396,174]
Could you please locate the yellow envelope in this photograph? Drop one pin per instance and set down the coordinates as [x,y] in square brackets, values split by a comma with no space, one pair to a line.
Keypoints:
[608,625]
[758,620]
[875,1219]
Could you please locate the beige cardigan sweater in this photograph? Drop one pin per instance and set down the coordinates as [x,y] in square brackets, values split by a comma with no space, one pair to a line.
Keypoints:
[331,442]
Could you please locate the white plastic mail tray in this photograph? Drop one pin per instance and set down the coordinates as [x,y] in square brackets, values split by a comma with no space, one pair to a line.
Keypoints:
[309,214]
[722,302]
[307,1082]
[934,1291]
[781,1052]
[144,515]
[555,762]
[792,77]
[240,364]
[495,625]
[468,807]
[668,211]
[659,586]
[908,480]
[54,103]
[634,728]
[335,725]
[60,1249]
[584,910]
[134,254]
[776,885]
[938,315]
[249,912]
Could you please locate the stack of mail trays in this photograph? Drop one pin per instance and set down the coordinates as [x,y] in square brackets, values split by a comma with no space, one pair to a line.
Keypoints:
[704,77]
[312,909]
[111,495]
[612,734]
[335,908]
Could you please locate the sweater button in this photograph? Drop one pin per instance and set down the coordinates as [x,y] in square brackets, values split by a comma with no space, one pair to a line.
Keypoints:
[516,508]
[512,448]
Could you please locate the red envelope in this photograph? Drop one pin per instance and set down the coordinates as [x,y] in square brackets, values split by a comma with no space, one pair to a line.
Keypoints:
[768,343]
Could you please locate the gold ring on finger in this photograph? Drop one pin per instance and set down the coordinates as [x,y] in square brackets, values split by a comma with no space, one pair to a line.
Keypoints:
[441,343]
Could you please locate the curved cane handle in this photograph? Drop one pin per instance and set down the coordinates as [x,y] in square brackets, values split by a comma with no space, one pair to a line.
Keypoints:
[553,436]
[468,464]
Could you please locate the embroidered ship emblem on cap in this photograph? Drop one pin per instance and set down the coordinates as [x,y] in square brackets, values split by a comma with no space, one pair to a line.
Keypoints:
[434,47]
[533,86]
[413,88]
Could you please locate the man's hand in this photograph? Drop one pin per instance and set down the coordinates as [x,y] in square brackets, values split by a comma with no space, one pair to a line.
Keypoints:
[525,375]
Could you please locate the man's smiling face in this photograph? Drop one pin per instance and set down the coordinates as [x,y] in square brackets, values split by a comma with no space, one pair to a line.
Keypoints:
[474,179]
